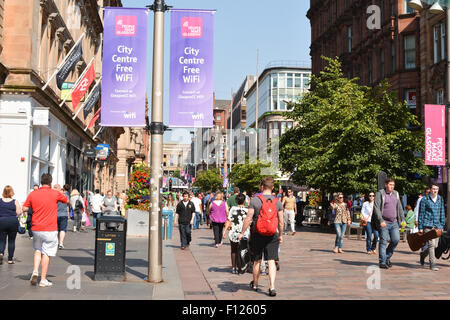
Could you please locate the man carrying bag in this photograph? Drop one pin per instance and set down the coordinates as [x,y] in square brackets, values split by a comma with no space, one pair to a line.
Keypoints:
[431,219]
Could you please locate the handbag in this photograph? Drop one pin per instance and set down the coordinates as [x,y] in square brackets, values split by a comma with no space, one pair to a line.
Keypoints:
[22,223]
[363,223]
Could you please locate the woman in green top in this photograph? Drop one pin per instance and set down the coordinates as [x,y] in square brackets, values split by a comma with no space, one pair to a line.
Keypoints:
[410,217]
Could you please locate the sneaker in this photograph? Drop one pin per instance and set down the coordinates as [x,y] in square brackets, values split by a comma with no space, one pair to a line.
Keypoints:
[293,233]
[388,263]
[61,246]
[383,266]
[45,283]
[34,277]
[272,292]
[434,268]
[234,271]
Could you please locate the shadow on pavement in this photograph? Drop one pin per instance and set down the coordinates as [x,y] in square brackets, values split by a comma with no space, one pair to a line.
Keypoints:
[229,286]
[215,269]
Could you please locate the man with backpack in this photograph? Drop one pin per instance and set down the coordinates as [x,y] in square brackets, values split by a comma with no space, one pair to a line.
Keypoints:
[266,213]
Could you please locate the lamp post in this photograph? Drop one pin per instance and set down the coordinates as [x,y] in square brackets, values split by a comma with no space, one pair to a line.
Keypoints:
[157,131]
[436,8]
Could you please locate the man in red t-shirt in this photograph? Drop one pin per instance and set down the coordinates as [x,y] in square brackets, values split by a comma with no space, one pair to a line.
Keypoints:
[44,202]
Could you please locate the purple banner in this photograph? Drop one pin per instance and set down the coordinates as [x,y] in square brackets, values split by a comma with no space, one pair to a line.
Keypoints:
[191,68]
[124,67]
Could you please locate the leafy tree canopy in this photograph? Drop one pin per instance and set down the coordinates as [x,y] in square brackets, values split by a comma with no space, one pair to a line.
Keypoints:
[347,133]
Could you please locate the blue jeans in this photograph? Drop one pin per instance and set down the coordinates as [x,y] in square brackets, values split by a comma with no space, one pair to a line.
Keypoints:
[371,245]
[95,216]
[340,232]
[197,219]
[391,230]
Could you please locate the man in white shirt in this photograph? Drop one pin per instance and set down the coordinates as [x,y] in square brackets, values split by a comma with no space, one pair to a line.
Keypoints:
[96,209]
[198,210]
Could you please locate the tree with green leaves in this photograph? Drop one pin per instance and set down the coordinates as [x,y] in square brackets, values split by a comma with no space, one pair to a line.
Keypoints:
[208,180]
[347,133]
[248,176]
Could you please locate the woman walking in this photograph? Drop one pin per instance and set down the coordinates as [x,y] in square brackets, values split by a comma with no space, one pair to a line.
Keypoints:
[110,208]
[77,203]
[341,221]
[366,219]
[218,211]
[9,211]
[235,220]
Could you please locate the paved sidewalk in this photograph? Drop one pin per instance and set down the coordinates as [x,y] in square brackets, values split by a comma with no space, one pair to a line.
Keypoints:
[79,251]
[310,270]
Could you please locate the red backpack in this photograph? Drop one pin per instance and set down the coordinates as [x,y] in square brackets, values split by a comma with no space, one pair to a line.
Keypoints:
[267,223]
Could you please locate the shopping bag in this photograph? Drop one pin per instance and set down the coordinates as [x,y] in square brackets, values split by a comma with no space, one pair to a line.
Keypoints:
[243,257]
[86,218]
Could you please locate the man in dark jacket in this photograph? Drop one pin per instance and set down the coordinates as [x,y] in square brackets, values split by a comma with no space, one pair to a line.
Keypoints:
[184,217]
[387,217]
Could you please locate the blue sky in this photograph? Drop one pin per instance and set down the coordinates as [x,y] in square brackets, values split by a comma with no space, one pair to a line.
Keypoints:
[279,29]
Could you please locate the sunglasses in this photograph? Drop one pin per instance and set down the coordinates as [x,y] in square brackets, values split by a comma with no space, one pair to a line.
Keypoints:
[341,198]
[371,195]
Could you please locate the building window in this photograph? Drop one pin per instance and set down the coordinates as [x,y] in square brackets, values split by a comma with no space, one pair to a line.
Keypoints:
[171,160]
[370,71]
[218,118]
[350,38]
[392,56]
[410,51]
[406,8]
[443,56]
[382,64]
[410,97]
[440,96]
[439,42]
[391,8]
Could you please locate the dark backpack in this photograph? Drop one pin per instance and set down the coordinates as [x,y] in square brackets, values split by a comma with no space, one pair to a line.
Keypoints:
[267,222]
[78,205]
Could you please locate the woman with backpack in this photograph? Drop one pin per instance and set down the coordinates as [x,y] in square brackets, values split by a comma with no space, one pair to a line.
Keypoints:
[218,212]
[77,204]
[235,223]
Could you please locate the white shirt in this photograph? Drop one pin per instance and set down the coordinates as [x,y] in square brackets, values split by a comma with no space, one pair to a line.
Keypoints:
[96,201]
[416,209]
[367,210]
[197,204]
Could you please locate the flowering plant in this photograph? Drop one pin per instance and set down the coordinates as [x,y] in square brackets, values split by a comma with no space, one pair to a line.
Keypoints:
[314,198]
[139,188]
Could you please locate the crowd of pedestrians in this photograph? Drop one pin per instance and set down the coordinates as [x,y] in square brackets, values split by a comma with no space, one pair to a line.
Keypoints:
[45,214]
[253,224]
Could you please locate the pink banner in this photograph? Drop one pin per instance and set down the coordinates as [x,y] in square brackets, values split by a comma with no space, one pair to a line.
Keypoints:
[434,135]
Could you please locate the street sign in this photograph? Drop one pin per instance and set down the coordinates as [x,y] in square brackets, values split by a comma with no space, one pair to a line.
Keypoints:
[102,151]
[90,153]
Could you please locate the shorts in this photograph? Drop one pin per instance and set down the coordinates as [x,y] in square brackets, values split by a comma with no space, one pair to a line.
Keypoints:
[261,244]
[46,242]
[62,224]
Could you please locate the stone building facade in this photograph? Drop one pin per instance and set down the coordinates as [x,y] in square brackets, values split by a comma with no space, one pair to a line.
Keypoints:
[340,29]
[35,36]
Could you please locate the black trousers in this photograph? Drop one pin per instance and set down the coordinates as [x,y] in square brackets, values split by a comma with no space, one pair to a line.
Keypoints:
[185,234]
[217,229]
[8,230]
